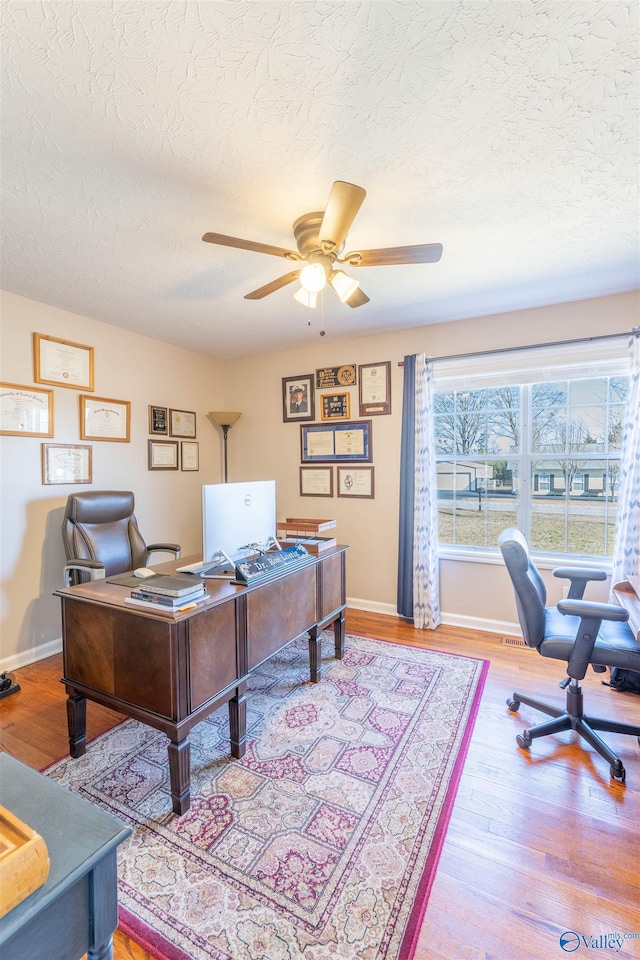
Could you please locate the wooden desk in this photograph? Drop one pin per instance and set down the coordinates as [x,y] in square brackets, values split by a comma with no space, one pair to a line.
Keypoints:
[629,599]
[76,909]
[172,670]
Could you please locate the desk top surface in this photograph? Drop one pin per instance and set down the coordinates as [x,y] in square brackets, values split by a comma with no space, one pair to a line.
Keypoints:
[77,834]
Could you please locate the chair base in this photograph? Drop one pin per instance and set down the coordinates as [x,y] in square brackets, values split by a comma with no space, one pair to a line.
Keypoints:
[572,718]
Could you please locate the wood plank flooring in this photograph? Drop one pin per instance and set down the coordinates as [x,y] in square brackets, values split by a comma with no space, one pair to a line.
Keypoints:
[539,843]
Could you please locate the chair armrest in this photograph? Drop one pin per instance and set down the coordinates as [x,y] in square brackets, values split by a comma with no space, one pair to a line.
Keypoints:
[173,548]
[94,568]
[591,616]
[579,579]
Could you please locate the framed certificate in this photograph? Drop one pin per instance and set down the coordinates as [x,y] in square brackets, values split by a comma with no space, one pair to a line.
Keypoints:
[66,463]
[316,481]
[189,455]
[182,423]
[355,482]
[25,411]
[163,454]
[375,388]
[104,419]
[335,442]
[62,363]
[335,406]
[158,420]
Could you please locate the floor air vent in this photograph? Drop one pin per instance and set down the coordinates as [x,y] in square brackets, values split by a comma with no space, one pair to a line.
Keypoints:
[513,642]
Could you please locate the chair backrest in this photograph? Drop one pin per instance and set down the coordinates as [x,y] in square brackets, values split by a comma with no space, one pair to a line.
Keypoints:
[100,525]
[530,591]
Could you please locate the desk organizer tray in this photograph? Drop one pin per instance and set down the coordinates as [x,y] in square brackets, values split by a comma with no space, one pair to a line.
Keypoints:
[24,861]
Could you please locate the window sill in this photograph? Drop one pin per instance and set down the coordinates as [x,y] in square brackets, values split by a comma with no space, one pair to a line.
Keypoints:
[544,561]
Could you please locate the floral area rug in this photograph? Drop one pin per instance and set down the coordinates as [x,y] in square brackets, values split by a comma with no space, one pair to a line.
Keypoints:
[323,841]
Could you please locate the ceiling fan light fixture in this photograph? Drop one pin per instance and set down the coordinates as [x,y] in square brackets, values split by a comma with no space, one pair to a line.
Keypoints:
[343,285]
[313,277]
[305,297]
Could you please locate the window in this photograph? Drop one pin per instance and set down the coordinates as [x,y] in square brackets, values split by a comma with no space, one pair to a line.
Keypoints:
[543,456]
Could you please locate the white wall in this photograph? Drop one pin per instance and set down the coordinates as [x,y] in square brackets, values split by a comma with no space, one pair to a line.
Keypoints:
[127,367]
[261,446]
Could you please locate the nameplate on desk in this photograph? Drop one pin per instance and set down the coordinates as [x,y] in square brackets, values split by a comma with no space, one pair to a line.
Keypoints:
[271,564]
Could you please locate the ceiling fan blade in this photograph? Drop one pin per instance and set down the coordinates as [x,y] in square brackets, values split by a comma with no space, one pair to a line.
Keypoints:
[251,245]
[357,298]
[386,256]
[273,286]
[344,202]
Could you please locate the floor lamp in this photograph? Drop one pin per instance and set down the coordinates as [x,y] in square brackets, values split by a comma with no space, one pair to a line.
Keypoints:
[225,421]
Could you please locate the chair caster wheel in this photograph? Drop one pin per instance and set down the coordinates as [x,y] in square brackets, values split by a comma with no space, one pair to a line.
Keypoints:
[514,705]
[618,772]
[524,740]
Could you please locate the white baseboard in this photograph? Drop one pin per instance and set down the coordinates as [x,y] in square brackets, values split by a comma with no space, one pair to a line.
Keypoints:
[449,619]
[25,657]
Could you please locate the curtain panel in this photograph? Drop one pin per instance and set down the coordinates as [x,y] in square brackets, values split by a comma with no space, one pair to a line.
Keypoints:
[626,548]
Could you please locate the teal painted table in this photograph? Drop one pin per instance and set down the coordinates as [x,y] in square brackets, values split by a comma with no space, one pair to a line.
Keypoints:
[76,910]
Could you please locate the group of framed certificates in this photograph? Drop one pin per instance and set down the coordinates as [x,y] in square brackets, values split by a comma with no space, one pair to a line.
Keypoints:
[337,439]
[28,411]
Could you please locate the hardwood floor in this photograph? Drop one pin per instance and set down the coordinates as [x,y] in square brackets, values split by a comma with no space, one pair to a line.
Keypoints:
[539,843]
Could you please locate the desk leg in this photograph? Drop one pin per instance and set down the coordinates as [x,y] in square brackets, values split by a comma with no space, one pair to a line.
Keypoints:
[238,723]
[77,723]
[315,655]
[338,636]
[103,907]
[180,774]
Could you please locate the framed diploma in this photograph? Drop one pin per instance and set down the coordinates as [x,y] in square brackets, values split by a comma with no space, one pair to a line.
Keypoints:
[104,419]
[25,411]
[316,481]
[158,420]
[375,388]
[62,363]
[163,454]
[335,406]
[182,423]
[66,463]
[335,442]
[355,482]
[189,455]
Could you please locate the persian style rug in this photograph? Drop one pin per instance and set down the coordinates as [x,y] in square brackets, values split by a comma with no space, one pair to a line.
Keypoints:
[323,841]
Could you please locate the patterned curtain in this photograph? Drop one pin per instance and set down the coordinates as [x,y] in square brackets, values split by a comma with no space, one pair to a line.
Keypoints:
[418,574]
[626,548]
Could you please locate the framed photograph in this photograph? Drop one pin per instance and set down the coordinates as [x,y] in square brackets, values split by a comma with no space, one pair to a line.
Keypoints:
[25,411]
[104,419]
[335,406]
[189,455]
[158,420]
[316,481]
[163,454]
[66,463]
[182,423]
[298,398]
[333,443]
[344,376]
[62,363]
[355,482]
[375,388]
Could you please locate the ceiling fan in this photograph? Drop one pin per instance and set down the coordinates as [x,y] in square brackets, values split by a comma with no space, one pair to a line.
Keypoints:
[320,239]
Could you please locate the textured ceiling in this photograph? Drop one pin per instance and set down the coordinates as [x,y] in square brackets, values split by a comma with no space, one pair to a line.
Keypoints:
[507,131]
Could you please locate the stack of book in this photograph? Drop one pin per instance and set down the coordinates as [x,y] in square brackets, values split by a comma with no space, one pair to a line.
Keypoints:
[170,593]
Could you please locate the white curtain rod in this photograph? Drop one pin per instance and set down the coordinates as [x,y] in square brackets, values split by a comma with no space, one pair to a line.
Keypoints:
[635,331]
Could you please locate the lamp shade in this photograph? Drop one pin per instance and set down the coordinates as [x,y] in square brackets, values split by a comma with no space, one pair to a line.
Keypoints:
[224,418]
[313,277]
[343,285]
[305,298]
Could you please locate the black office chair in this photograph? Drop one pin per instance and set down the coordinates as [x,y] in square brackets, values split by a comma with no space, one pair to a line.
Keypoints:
[579,631]
[101,536]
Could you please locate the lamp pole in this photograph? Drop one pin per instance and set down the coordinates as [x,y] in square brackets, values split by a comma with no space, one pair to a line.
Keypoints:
[225,420]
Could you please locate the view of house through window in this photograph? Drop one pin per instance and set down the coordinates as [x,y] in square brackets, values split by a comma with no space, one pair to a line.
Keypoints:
[544,457]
